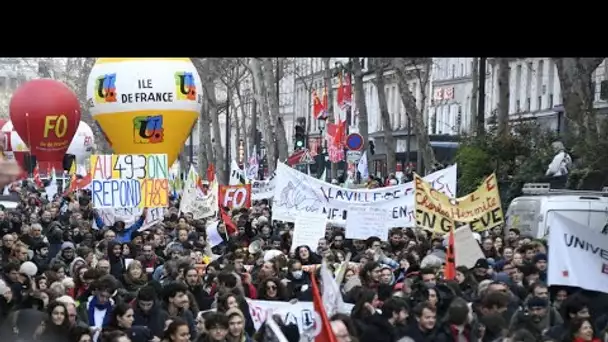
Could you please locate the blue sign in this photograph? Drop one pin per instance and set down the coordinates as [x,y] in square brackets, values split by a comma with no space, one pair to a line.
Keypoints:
[354,142]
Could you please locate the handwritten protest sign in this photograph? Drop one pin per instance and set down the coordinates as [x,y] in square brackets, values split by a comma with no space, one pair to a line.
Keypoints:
[195,201]
[481,209]
[297,193]
[308,229]
[363,222]
[130,181]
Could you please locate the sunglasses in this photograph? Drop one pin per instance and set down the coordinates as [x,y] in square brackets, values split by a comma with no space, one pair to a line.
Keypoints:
[271,287]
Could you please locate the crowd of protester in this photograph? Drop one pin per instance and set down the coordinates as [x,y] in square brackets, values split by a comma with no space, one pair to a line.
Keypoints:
[68,277]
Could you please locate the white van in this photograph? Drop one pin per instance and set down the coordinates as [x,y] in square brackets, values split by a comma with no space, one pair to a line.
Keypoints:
[531,212]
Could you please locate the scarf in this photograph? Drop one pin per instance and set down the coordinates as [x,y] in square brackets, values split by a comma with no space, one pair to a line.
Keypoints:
[91,311]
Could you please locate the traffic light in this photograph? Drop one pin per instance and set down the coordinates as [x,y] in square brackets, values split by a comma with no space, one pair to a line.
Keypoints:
[300,138]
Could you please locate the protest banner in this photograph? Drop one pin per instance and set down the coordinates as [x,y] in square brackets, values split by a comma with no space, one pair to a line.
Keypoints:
[130,215]
[296,192]
[195,201]
[130,181]
[262,189]
[301,313]
[235,196]
[578,254]
[481,209]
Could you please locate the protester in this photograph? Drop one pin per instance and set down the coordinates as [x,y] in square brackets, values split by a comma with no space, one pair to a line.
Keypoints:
[130,281]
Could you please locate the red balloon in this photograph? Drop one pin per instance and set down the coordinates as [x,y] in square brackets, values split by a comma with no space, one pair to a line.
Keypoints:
[45,113]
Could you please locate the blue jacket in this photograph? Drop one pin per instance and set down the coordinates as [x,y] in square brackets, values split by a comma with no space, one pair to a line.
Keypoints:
[123,236]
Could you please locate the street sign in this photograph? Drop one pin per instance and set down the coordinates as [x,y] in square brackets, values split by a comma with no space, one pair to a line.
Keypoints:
[354,142]
[307,158]
[353,156]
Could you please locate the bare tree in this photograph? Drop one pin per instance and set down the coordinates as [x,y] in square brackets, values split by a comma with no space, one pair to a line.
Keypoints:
[300,74]
[420,70]
[474,94]
[503,97]
[273,101]
[380,65]
[575,77]
[205,147]
[209,74]
[261,97]
[361,106]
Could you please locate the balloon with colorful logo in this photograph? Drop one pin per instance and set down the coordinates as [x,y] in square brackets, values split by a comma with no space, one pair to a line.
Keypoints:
[45,113]
[145,105]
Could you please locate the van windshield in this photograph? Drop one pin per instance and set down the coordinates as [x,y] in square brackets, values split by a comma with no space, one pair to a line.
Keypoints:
[523,215]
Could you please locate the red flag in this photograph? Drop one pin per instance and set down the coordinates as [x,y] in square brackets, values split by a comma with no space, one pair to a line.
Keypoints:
[79,183]
[449,271]
[326,334]
[317,107]
[211,173]
[347,93]
[340,95]
[340,133]
[230,226]
[37,179]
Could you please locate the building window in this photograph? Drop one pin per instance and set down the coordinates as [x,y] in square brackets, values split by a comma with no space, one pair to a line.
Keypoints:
[461,69]
[550,101]
[539,104]
[2,83]
[453,70]
[14,83]
[528,104]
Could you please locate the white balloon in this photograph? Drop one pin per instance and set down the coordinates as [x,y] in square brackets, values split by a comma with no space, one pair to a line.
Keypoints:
[13,142]
[82,143]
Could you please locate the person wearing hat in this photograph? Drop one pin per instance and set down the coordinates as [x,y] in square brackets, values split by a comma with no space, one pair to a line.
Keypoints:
[535,317]
[66,255]
[540,261]
[481,270]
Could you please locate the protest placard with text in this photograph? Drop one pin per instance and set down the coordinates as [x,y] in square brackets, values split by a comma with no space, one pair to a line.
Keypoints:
[130,181]
[481,209]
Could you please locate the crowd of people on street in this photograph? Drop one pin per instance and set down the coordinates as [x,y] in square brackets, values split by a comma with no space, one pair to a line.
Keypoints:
[66,276]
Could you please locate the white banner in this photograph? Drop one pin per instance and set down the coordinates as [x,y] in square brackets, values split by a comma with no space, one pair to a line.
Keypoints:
[578,254]
[296,192]
[300,313]
[130,216]
[237,176]
[262,189]
[195,201]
